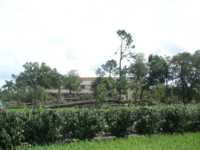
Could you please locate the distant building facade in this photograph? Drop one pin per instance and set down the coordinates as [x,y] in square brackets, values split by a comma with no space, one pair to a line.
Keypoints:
[85,86]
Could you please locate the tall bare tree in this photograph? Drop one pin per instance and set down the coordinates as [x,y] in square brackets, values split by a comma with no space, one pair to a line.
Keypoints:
[126,45]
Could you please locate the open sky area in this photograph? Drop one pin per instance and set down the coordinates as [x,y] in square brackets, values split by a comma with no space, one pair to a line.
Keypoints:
[81,34]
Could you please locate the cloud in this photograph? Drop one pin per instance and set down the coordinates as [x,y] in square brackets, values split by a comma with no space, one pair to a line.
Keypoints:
[81,34]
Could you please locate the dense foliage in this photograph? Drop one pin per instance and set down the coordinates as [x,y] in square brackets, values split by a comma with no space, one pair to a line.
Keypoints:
[50,126]
[31,85]
[158,79]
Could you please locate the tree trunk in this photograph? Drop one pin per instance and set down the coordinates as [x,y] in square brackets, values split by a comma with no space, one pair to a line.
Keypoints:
[109,74]
[70,92]
[141,93]
[59,97]
[120,70]
[166,90]
[136,91]
[34,102]
[183,94]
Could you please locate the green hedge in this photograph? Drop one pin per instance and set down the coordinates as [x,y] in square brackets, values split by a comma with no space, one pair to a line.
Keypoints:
[118,121]
[147,120]
[81,124]
[11,130]
[42,127]
[48,126]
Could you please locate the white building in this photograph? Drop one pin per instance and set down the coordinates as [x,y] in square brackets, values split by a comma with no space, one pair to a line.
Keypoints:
[85,86]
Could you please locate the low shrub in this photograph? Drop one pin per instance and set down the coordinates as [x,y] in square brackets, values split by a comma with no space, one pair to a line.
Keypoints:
[48,126]
[146,120]
[173,119]
[83,124]
[118,121]
[193,119]
[42,127]
[11,130]
[5,140]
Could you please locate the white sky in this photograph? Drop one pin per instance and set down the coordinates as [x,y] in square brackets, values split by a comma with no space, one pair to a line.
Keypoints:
[81,34]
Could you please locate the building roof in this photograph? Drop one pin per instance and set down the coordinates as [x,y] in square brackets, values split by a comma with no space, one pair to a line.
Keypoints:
[88,78]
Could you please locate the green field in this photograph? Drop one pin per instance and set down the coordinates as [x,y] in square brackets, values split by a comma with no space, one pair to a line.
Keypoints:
[188,141]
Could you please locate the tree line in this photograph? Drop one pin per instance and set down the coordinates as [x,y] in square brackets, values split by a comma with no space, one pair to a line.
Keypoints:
[31,85]
[157,79]
[163,79]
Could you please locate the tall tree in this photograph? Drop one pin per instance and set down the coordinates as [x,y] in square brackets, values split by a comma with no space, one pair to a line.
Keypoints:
[138,73]
[158,70]
[109,67]
[126,44]
[100,72]
[182,66]
[105,87]
[195,75]
[159,74]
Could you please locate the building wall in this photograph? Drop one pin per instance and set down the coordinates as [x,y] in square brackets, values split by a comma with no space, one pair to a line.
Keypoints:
[85,86]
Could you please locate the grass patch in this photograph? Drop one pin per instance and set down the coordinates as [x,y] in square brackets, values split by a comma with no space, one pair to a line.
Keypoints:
[188,141]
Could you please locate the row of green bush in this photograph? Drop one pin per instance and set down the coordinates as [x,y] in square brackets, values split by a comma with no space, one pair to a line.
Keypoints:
[48,126]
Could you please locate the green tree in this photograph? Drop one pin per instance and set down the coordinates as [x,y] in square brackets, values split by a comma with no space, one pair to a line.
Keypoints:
[158,93]
[124,51]
[56,82]
[101,93]
[8,91]
[72,81]
[158,70]
[34,80]
[109,67]
[100,72]
[182,66]
[122,86]
[138,72]
[196,75]
[104,82]
[159,73]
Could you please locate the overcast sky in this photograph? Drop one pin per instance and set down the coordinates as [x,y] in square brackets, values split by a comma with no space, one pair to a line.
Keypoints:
[81,34]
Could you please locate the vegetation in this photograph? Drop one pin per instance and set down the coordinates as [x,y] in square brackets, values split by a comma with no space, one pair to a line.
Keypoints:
[110,68]
[48,126]
[31,85]
[146,86]
[72,81]
[156,142]
[156,80]
[124,52]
